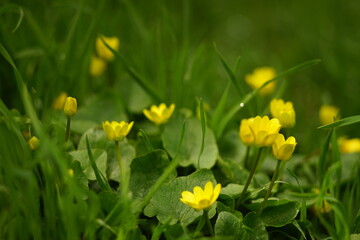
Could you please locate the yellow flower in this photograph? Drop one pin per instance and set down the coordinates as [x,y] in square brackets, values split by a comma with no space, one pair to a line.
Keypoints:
[159,114]
[70,106]
[245,133]
[328,113]
[117,131]
[349,145]
[283,111]
[282,149]
[101,49]
[201,199]
[264,130]
[59,102]
[97,66]
[259,76]
[34,143]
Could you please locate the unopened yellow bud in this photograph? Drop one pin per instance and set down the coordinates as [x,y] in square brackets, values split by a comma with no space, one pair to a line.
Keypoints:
[70,106]
[59,102]
[103,51]
[34,143]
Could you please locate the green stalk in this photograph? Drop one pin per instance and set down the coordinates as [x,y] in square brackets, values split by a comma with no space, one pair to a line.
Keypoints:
[267,195]
[208,223]
[67,134]
[123,171]
[250,177]
[246,160]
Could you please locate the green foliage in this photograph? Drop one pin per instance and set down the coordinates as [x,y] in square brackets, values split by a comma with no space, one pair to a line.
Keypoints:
[190,149]
[165,202]
[170,52]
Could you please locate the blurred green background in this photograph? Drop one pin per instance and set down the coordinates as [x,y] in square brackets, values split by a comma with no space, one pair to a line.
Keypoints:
[170,43]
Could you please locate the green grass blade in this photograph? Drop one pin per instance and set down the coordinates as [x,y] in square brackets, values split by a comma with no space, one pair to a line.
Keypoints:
[303,208]
[99,176]
[323,163]
[342,122]
[146,139]
[10,7]
[231,113]
[231,74]
[203,130]
[135,75]
[220,108]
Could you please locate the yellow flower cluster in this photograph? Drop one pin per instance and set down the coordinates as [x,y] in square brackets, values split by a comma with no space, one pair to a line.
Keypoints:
[159,114]
[260,76]
[264,132]
[201,198]
[98,63]
[117,131]
[284,111]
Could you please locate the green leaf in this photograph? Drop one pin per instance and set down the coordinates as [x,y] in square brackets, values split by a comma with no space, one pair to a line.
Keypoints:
[128,153]
[227,224]
[105,107]
[189,151]
[280,214]
[145,171]
[166,201]
[342,122]
[97,139]
[100,157]
[253,228]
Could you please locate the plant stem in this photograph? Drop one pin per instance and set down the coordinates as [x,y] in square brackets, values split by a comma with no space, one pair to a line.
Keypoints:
[253,169]
[208,223]
[267,195]
[246,160]
[67,134]
[123,172]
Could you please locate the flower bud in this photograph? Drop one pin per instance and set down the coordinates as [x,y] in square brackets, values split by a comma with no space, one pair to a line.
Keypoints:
[283,111]
[282,149]
[70,106]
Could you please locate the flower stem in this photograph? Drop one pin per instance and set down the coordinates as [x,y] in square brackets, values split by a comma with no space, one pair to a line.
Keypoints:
[253,169]
[208,223]
[123,171]
[246,160]
[67,134]
[267,195]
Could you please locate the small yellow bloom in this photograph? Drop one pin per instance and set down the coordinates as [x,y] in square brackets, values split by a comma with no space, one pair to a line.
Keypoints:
[349,145]
[97,66]
[264,130]
[245,133]
[328,113]
[117,131]
[259,76]
[59,102]
[70,172]
[282,149]
[201,199]
[159,114]
[283,111]
[70,106]
[34,143]
[101,49]
[325,206]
